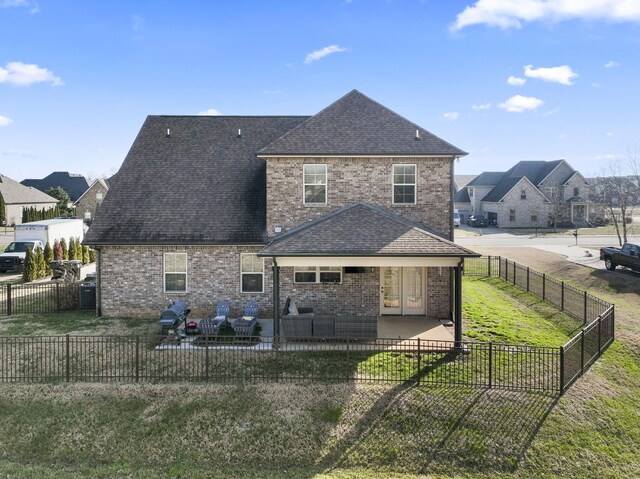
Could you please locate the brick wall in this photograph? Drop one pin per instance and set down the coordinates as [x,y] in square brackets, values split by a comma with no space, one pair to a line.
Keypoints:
[133,284]
[353,179]
[88,203]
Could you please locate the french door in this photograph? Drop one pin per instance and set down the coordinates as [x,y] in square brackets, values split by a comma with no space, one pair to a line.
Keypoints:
[403,291]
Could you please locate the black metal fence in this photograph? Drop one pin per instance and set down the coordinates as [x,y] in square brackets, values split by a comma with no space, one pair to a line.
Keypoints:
[131,359]
[39,298]
[597,315]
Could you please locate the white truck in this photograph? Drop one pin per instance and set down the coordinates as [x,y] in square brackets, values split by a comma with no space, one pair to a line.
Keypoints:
[38,233]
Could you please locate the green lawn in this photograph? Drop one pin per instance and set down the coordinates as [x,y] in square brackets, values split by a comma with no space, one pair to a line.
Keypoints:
[343,431]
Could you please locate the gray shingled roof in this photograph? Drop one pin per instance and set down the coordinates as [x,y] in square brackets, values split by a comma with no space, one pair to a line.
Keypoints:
[461,181]
[462,196]
[502,188]
[74,184]
[202,184]
[487,178]
[357,125]
[363,230]
[16,193]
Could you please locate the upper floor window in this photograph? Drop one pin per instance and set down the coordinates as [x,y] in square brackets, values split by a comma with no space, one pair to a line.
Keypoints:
[175,272]
[550,192]
[470,192]
[512,214]
[576,191]
[523,194]
[315,184]
[404,184]
[251,273]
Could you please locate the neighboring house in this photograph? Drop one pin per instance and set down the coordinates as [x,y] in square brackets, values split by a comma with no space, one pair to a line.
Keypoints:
[348,211]
[89,202]
[531,194]
[75,185]
[17,197]
[459,182]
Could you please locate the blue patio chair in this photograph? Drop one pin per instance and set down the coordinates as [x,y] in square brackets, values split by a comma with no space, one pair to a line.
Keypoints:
[212,326]
[246,325]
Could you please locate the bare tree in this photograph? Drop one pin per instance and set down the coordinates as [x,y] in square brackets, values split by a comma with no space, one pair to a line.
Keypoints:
[617,193]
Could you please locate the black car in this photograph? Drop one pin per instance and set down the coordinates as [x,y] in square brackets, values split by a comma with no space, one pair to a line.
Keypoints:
[477,220]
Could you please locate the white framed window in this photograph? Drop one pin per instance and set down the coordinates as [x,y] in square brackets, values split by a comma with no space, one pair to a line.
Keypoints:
[317,274]
[175,272]
[576,191]
[314,179]
[470,192]
[550,192]
[512,214]
[534,216]
[404,184]
[251,273]
[523,194]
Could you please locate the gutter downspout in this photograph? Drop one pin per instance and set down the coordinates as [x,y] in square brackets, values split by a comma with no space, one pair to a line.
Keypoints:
[276,303]
[458,306]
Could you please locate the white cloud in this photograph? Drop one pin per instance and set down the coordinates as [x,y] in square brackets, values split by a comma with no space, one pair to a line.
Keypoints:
[210,112]
[513,13]
[5,120]
[32,6]
[23,74]
[595,84]
[516,81]
[562,74]
[323,52]
[604,157]
[451,115]
[519,103]
[611,64]
[137,23]
[481,106]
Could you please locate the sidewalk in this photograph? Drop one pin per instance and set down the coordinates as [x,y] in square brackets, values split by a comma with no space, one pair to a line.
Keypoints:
[576,254]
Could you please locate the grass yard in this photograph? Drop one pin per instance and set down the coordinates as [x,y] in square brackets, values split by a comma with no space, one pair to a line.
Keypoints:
[332,430]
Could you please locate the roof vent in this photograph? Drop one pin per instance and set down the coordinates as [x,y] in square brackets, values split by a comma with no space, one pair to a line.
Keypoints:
[168,133]
[239,132]
[417,135]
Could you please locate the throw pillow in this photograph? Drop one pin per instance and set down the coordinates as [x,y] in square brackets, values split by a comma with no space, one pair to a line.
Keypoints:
[293,309]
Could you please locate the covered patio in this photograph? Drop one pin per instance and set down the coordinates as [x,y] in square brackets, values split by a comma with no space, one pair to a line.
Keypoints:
[420,272]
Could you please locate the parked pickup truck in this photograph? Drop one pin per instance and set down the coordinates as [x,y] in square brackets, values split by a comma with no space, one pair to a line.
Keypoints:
[13,256]
[628,256]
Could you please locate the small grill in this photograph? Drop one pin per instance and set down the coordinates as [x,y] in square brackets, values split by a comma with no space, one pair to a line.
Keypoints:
[175,314]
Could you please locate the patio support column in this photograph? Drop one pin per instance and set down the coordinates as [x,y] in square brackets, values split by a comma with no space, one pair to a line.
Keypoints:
[457,332]
[276,303]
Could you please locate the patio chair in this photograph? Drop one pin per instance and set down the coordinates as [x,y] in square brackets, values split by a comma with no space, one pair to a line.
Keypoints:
[245,326]
[212,326]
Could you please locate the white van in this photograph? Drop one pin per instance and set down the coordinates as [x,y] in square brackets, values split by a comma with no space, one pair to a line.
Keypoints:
[456,218]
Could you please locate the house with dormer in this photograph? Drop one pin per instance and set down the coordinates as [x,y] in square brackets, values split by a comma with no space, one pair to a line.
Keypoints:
[348,211]
[532,194]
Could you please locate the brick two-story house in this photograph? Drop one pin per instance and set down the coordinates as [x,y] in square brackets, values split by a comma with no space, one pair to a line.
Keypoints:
[348,211]
[531,194]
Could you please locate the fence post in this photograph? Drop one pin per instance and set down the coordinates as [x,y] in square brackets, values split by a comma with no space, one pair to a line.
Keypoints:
[419,363]
[499,266]
[514,273]
[582,352]
[57,297]
[489,266]
[206,358]
[544,286]
[137,358]
[9,300]
[599,335]
[562,296]
[527,279]
[585,308]
[490,364]
[67,359]
[561,370]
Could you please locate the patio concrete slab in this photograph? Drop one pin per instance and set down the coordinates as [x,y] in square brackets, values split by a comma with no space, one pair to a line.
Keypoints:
[410,327]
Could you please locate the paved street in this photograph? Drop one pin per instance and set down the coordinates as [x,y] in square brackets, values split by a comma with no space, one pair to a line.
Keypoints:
[586,252]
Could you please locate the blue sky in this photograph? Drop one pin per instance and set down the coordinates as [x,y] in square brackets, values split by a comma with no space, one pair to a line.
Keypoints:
[505,80]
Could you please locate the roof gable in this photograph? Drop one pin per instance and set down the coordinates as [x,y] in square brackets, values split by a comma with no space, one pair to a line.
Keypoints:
[357,125]
[462,196]
[361,229]
[487,178]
